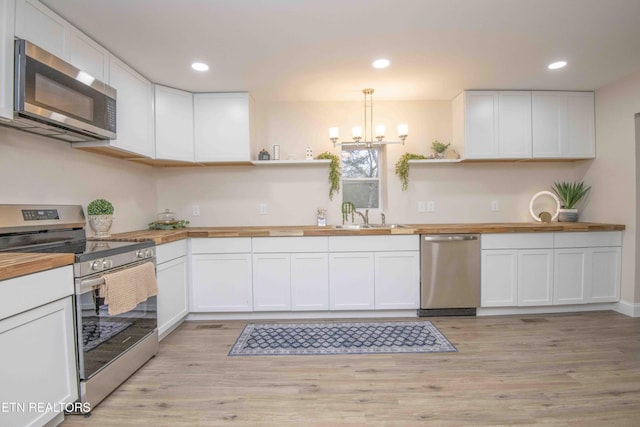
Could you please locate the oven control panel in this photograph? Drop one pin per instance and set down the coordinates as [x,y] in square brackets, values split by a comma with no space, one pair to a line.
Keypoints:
[40,214]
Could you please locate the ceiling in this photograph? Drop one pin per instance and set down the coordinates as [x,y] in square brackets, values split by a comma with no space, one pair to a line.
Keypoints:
[321,50]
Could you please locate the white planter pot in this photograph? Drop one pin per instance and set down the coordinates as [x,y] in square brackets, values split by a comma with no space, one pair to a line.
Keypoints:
[101,224]
[567,215]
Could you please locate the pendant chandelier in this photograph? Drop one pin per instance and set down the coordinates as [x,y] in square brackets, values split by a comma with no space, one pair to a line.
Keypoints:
[356,131]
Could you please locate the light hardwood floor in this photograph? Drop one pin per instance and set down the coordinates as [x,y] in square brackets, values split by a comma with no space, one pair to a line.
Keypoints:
[554,370]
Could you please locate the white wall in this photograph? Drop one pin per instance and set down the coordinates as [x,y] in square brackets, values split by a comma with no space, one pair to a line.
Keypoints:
[34,169]
[615,171]
[462,192]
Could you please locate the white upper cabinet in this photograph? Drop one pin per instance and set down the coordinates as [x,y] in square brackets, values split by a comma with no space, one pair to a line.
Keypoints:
[493,124]
[134,114]
[7,13]
[174,124]
[563,125]
[87,55]
[41,26]
[223,127]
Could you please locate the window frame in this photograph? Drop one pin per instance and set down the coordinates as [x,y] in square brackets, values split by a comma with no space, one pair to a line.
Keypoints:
[379,178]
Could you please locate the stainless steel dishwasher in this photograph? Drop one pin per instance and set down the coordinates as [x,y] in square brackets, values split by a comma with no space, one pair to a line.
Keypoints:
[450,274]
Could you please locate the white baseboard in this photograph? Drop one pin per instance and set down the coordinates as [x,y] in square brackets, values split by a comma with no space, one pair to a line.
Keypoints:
[501,311]
[300,315]
[628,308]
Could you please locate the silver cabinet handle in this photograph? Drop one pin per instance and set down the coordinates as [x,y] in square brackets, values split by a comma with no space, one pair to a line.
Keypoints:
[449,238]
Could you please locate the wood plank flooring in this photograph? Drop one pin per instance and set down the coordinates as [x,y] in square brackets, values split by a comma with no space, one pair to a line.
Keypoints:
[578,369]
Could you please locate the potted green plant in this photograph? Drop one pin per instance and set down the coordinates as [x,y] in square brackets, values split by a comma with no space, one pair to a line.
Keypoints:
[569,193]
[100,212]
[402,167]
[439,148]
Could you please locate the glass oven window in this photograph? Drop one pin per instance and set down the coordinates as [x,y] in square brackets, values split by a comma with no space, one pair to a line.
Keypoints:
[102,338]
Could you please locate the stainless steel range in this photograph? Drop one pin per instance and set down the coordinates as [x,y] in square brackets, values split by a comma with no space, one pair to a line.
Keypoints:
[109,347]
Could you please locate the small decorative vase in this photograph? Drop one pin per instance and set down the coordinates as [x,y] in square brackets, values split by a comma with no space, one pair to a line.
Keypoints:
[567,215]
[101,224]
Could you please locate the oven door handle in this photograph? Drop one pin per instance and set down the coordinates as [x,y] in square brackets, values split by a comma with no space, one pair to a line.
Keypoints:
[90,284]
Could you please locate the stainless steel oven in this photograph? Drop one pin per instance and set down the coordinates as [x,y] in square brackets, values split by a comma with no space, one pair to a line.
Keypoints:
[110,348]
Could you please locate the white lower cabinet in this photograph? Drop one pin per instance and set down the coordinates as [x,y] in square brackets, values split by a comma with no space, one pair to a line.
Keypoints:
[535,277]
[171,271]
[538,269]
[38,347]
[309,281]
[221,277]
[271,282]
[351,281]
[397,280]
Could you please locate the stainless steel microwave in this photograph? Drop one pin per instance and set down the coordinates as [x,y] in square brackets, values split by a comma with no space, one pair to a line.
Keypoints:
[55,99]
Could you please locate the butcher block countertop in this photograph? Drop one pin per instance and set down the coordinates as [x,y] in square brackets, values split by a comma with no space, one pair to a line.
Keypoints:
[167,236]
[19,264]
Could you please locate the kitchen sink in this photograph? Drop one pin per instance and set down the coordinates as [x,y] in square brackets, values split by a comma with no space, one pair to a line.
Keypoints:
[352,226]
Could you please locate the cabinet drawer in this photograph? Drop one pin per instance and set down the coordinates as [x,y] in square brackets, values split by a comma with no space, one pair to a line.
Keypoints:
[170,251]
[373,243]
[588,239]
[517,241]
[220,245]
[290,244]
[26,292]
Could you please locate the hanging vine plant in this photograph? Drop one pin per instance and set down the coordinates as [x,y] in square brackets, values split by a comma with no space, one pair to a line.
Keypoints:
[334,172]
[402,167]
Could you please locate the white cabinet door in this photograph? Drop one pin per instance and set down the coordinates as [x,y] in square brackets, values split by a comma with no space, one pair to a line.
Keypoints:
[172,294]
[221,282]
[38,362]
[223,127]
[309,281]
[41,26]
[514,124]
[535,277]
[481,125]
[563,124]
[397,280]
[271,282]
[499,278]
[174,124]
[87,55]
[134,112]
[604,270]
[7,13]
[351,281]
[570,280]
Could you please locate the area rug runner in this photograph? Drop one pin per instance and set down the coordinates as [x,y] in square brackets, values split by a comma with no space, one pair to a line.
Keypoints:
[340,338]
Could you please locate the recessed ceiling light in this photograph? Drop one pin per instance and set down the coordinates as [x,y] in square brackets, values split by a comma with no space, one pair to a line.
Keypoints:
[557,65]
[199,66]
[381,63]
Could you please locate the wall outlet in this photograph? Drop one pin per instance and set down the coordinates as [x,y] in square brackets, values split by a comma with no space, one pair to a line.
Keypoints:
[495,206]
[262,207]
[431,206]
[422,207]
[195,210]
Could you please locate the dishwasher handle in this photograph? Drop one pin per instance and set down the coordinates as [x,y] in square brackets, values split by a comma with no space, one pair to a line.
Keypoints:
[450,238]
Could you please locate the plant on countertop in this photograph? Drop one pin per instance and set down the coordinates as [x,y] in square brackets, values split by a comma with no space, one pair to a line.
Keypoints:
[402,167]
[159,225]
[439,147]
[100,207]
[334,172]
[570,193]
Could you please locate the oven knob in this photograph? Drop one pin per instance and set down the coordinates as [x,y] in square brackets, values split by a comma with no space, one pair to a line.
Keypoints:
[95,265]
[148,253]
[140,254]
[107,263]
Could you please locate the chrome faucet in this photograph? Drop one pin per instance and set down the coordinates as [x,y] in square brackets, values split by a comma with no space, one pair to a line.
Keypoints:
[364,217]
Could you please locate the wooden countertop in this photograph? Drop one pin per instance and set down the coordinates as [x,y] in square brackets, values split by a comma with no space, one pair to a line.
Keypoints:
[167,236]
[19,264]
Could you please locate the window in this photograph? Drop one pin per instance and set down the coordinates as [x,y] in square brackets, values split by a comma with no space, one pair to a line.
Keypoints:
[361,177]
